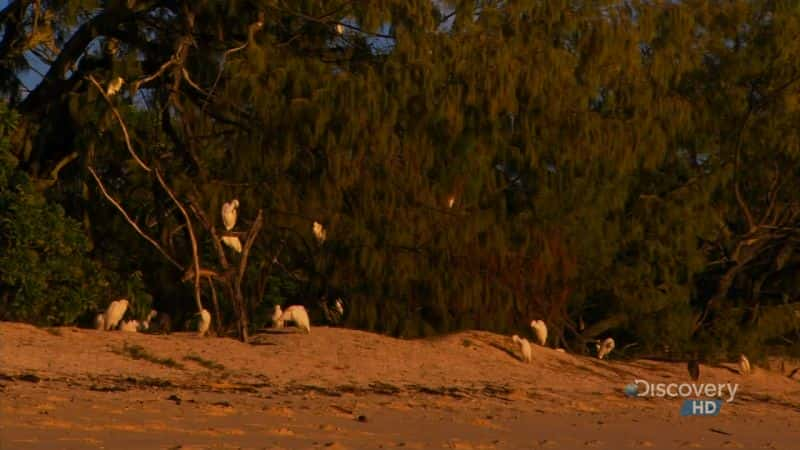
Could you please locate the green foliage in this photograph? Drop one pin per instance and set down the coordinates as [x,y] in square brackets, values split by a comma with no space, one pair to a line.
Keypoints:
[47,277]
[141,301]
[634,165]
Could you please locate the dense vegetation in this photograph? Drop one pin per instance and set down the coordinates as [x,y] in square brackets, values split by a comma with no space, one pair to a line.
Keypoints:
[616,168]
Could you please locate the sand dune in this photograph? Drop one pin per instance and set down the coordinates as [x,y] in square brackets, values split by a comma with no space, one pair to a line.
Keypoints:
[71,388]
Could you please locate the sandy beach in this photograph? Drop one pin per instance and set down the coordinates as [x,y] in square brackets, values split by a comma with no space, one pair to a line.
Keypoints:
[70,388]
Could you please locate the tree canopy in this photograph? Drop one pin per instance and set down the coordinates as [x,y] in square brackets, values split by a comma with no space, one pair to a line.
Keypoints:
[613,168]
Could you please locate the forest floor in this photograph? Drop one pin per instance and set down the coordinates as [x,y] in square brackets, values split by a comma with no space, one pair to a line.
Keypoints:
[70,388]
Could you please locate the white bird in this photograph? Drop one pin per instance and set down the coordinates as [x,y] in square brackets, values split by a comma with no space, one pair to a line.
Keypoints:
[131,326]
[205,322]
[229,214]
[233,242]
[145,325]
[319,232]
[340,28]
[294,313]
[524,347]
[114,86]
[340,306]
[100,322]
[114,314]
[277,312]
[540,328]
[744,365]
[605,348]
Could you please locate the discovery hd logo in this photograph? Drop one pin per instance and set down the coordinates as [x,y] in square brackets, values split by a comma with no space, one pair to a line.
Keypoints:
[696,406]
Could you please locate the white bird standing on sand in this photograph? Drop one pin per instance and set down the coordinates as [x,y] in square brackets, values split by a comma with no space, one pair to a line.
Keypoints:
[540,328]
[114,314]
[131,326]
[205,322]
[100,322]
[524,347]
[145,325]
[229,214]
[233,242]
[319,232]
[294,313]
[744,365]
[605,348]
[114,86]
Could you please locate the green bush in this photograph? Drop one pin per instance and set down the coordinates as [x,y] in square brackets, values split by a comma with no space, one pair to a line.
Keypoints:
[46,276]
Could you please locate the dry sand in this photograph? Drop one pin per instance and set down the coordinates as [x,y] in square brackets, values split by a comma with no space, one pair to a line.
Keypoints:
[69,388]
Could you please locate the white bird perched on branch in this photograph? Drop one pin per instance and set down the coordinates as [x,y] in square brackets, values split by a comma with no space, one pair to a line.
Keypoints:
[114,86]
[114,314]
[524,347]
[540,329]
[229,214]
[294,313]
[233,242]
[205,322]
[744,365]
[604,348]
[131,326]
[340,306]
[319,232]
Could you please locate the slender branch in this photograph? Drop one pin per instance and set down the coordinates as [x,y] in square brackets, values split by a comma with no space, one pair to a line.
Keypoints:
[323,20]
[66,160]
[195,252]
[43,184]
[207,273]
[121,123]
[212,230]
[135,85]
[251,29]
[251,238]
[736,176]
[131,221]
[215,303]
[772,195]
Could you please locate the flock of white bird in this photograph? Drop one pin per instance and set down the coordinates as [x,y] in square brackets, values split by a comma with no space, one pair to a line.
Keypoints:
[229,216]
[540,331]
[112,317]
[604,347]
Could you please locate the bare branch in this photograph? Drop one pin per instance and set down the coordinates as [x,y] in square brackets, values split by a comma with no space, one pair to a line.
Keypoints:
[135,85]
[748,215]
[211,229]
[772,196]
[121,123]
[195,252]
[43,184]
[132,222]
[206,273]
[250,32]
[251,238]
[215,303]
